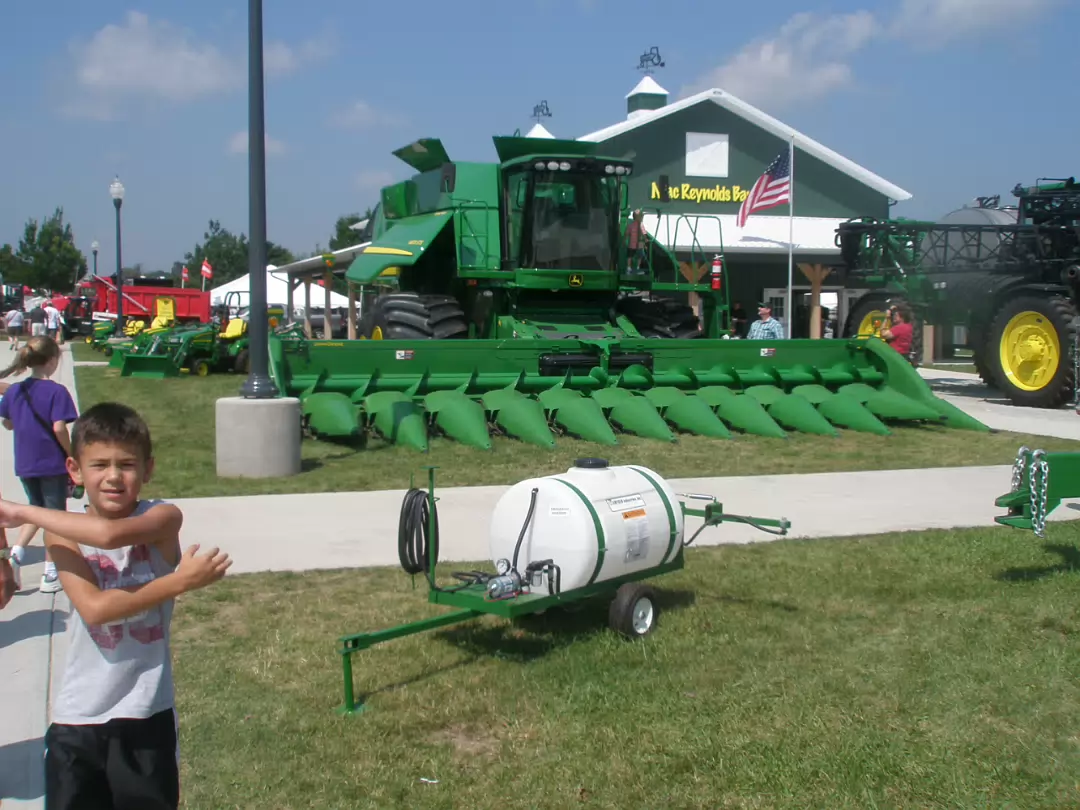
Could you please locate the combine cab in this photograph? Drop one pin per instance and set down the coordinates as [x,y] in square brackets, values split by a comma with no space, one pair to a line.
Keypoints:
[523,304]
[1008,274]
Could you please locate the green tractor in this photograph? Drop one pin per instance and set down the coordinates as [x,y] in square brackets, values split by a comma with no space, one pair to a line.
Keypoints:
[528,302]
[198,349]
[1009,274]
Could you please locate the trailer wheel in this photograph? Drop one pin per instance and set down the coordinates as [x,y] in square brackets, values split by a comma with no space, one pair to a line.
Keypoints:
[661,317]
[1030,346]
[634,611]
[868,313]
[410,316]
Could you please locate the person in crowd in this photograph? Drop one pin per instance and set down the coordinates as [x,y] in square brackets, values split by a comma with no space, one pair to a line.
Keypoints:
[899,332]
[52,322]
[8,585]
[13,321]
[738,320]
[37,321]
[766,327]
[38,410]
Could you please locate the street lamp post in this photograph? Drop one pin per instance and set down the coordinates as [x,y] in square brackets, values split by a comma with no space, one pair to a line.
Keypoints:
[258,384]
[116,191]
[257,434]
[93,249]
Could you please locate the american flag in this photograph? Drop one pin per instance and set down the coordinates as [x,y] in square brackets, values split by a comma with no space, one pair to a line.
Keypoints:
[772,189]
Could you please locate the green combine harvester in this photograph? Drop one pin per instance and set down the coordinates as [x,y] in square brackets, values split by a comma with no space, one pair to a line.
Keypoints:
[518,309]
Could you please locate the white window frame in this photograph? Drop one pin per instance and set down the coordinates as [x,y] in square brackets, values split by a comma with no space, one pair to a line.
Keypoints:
[715,145]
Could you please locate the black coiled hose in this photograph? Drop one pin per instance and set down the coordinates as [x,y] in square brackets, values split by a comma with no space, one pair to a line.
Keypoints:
[418,550]
[414,543]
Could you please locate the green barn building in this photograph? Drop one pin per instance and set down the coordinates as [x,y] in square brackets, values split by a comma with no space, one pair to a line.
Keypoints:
[712,147]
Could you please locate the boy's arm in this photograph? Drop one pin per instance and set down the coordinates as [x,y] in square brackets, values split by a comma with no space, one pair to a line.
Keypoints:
[158,525]
[98,606]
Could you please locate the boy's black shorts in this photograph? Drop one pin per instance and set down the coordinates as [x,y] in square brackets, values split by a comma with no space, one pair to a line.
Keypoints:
[120,764]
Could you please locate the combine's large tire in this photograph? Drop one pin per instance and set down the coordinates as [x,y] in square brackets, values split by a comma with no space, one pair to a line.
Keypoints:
[409,316]
[1029,350]
[869,311]
[661,318]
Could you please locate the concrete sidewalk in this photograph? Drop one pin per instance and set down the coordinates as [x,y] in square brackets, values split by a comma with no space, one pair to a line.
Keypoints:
[969,393]
[353,529]
[31,638]
[334,530]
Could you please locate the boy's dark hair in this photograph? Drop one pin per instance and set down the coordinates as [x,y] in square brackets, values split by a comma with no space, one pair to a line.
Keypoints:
[111,423]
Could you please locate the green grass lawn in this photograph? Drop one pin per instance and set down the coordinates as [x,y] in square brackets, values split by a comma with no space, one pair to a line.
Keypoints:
[81,351]
[180,412]
[932,669]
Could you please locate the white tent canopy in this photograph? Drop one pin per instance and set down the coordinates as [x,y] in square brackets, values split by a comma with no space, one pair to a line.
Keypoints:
[277,292]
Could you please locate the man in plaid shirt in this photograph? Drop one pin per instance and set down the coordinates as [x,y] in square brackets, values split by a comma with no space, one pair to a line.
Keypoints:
[767,327]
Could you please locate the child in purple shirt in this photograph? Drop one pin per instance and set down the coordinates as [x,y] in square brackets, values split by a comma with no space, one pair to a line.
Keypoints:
[39,411]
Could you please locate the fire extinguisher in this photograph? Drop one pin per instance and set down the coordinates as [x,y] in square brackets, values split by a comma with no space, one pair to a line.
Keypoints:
[717,272]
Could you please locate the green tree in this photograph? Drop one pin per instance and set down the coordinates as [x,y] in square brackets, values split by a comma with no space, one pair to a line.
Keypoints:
[344,235]
[47,257]
[228,255]
[10,265]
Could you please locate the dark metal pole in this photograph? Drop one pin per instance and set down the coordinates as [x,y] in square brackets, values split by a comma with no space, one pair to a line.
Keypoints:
[119,275]
[95,263]
[258,384]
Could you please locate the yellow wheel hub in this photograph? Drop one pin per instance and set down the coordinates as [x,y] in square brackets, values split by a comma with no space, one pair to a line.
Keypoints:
[202,369]
[1030,351]
[872,323]
[376,333]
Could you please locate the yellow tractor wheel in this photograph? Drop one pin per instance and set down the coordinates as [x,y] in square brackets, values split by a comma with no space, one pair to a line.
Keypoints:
[872,323]
[201,368]
[1029,346]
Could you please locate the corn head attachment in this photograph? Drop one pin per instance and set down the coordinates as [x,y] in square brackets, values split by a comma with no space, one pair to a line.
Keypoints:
[1040,482]
[533,390]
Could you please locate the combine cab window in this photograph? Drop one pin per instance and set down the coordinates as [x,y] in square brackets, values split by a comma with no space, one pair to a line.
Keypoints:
[569,221]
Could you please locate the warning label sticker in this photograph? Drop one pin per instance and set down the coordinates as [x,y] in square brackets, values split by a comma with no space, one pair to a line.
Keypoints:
[559,511]
[625,502]
[636,523]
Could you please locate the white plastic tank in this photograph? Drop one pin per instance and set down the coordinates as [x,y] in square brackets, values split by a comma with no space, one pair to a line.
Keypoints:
[594,521]
[960,247]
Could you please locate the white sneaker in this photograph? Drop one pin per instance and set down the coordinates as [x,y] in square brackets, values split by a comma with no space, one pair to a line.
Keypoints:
[50,583]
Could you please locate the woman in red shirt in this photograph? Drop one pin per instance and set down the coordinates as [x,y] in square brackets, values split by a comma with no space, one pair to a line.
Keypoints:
[899,333]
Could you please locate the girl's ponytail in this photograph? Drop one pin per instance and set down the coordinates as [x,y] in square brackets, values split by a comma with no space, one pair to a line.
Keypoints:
[37,352]
[21,364]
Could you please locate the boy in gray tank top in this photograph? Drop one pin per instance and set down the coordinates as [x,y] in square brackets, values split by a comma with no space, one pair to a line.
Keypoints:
[112,742]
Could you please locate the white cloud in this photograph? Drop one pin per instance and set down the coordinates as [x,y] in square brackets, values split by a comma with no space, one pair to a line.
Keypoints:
[361,115]
[369,180]
[804,61]
[154,60]
[238,145]
[936,22]
[811,55]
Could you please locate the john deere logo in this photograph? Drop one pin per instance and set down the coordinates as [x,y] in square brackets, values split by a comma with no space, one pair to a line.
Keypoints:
[576,280]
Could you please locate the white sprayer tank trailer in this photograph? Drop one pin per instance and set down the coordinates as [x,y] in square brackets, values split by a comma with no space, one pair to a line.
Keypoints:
[594,530]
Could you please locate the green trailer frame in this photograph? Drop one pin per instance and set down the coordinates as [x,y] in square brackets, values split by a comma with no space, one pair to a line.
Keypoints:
[471,600]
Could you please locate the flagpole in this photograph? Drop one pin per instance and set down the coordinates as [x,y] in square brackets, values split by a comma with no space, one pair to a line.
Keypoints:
[791,235]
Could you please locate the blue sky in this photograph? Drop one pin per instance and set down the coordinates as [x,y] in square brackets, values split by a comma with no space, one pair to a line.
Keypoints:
[948,99]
